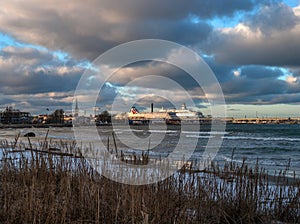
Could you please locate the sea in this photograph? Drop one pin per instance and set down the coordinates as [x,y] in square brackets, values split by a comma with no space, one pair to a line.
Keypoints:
[274,147]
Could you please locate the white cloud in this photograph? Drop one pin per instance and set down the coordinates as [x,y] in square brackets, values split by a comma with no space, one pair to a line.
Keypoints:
[237,73]
[291,79]
[297,10]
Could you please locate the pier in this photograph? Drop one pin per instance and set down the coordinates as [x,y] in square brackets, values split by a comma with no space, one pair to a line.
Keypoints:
[269,120]
[208,120]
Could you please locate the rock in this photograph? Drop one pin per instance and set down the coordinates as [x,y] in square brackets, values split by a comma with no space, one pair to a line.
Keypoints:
[29,134]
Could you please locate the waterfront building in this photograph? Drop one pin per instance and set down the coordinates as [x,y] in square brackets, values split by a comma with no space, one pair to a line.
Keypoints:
[14,116]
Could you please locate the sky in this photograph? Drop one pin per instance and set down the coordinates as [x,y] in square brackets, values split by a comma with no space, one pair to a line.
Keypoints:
[253,48]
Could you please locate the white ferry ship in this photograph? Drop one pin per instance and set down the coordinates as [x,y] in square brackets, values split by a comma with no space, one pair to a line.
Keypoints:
[168,116]
[184,114]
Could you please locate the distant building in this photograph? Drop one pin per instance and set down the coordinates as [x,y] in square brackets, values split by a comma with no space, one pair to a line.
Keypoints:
[121,116]
[57,117]
[103,118]
[42,119]
[14,116]
[68,119]
[76,112]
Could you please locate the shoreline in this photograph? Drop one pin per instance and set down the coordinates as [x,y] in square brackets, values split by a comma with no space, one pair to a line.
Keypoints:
[234,121]
[18,126]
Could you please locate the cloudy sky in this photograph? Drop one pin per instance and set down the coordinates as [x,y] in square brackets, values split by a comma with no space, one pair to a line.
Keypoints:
[252,46]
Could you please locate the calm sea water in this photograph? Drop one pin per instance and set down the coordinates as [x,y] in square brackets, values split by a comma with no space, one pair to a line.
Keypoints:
[273,146]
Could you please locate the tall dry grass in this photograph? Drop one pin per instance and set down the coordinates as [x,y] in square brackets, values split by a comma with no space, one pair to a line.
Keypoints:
[44,185]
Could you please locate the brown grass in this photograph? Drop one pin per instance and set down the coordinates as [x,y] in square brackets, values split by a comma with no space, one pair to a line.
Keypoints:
[44,187]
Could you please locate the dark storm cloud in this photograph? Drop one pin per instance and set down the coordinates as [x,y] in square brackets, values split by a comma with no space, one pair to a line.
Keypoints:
[295,71]
[5,100]
[223,72]
[260,85]
[243,87]
[260,72]
[175,9]
[26,53]
[106,96]
[30,71]
[147,69]
[87,28]
[251,84]
[39,82]
[46,103]
[285,99]
[241,84]
[275,17]
[268,37]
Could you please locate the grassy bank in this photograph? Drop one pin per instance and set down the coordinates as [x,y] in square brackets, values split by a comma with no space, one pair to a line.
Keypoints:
[45,187]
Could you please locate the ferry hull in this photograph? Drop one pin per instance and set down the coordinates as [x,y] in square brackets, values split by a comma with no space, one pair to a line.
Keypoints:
[146,122]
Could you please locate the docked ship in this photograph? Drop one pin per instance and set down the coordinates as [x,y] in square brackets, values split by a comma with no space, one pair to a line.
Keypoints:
[167,116]
[184,114]
[135,117]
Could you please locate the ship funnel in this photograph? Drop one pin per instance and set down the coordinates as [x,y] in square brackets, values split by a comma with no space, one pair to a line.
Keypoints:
[133,110]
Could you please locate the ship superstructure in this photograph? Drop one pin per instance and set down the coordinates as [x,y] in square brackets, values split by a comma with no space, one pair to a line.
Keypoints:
[184,114]
[135,117]
[168,116]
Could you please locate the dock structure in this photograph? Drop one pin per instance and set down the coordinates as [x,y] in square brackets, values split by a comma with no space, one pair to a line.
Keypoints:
[141,119]
[267,120]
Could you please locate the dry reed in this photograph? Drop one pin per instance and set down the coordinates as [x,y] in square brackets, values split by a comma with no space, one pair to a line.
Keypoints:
[40,186]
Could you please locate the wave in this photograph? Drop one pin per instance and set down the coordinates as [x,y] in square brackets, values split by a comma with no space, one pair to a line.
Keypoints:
[141,130]
[163,131]
[260,138]
[140,152]
[206,132]
[228,159]
[67,137]
[199,136]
